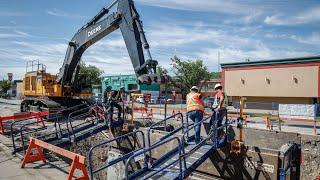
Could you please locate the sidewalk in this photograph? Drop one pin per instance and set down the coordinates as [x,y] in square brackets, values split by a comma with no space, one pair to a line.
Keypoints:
[10,166]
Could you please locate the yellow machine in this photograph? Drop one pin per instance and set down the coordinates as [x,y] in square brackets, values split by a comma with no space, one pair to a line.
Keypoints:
[41,89]
[38,82]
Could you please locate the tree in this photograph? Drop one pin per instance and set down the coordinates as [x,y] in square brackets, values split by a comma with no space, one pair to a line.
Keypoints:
[93,71]
[5,85]
[188,73]
[215,75]
[161,70]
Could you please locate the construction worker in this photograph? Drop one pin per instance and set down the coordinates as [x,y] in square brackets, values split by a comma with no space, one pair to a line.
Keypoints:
[195,110]
[115,101]
[107,94]
[111,98]
[219,105]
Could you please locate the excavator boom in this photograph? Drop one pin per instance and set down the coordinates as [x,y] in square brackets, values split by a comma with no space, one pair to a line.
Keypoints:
[127,19]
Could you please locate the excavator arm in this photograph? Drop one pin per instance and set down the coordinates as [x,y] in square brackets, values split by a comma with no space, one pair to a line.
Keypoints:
[127,19]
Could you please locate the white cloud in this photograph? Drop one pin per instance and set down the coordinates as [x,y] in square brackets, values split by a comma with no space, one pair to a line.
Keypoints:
[222,6]
[179,36]
[22,33]
[108,55]
[253,17]
[313,39]
[307,16]
[59,13]
[14,34]
[210,55]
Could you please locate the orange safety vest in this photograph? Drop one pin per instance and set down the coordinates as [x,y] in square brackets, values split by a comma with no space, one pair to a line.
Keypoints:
[194,103]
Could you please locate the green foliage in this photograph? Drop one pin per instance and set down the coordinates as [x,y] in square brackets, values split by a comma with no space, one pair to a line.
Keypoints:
[215,75]
[93,71]
[161,70]
[5,85]
[188,73]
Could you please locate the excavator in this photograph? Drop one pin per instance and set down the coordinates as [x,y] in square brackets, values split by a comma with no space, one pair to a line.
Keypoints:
[70,88]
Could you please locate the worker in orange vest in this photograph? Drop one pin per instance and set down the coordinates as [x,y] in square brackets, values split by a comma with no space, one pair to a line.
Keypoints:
[195,110]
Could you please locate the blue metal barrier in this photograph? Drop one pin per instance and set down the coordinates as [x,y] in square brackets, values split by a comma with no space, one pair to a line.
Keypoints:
[22,134]
[122,158]
[81,113]
[153,126]
[21,130]
[154,170]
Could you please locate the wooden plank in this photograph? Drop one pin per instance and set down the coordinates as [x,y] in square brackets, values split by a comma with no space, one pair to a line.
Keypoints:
[58,150]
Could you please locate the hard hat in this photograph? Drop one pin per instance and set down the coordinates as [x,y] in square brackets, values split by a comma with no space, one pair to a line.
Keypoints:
[194,88]
[217,85]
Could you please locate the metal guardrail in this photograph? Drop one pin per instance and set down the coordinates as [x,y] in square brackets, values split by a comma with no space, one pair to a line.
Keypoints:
[157,170]
[120,159]
[23,127]
[58,133]
[81,113]
[153,126]
[22,134]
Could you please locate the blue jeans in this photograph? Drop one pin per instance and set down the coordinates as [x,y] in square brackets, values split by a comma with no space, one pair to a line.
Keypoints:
[217,118]
[196,117]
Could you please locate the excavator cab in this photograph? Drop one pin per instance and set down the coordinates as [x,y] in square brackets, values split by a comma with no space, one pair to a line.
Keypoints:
[83,85]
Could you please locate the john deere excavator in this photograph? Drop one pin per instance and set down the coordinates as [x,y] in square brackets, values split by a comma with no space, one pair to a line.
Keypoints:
[68,88]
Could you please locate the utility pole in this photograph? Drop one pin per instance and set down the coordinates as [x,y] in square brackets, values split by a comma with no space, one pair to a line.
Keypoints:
[218,67]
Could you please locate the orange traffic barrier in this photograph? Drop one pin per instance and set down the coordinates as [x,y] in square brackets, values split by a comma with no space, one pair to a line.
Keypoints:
[245,117]
[21,116]
[145,112]
[35,153]
[269,119]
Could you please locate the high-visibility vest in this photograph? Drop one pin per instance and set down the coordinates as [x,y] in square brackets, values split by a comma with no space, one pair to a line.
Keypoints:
[194,103]
[116,96]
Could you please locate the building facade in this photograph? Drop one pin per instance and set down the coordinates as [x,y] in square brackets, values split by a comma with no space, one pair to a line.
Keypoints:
[129,82]
[207,87]
[293,81]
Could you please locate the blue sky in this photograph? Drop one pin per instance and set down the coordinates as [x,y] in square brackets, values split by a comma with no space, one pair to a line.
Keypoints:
[190,29]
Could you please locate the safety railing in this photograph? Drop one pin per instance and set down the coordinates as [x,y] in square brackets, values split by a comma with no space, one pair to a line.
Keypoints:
[24,131]
[153,169]
[164,121]
[213,133]
[17,125]
[285,156]
[63,117]
[76,115]
[119,159]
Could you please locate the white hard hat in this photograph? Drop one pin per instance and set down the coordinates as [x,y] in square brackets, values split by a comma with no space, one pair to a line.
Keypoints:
[194,88]
[217,85]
